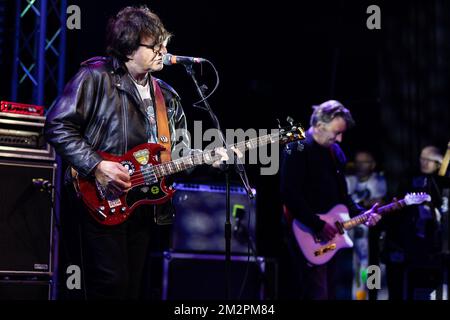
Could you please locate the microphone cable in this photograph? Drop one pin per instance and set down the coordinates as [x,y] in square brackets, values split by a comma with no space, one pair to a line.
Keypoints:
[196,104]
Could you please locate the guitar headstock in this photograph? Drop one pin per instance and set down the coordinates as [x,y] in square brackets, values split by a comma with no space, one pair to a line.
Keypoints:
[417,198]
[290,133]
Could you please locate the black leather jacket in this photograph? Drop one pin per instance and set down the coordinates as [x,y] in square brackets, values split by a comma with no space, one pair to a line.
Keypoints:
[101,109]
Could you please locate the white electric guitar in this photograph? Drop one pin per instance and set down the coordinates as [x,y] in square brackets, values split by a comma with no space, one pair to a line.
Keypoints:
[318,252]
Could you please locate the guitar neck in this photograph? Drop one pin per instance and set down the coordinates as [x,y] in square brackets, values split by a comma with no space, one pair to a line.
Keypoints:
[445,162]
[210,156]
[362,218]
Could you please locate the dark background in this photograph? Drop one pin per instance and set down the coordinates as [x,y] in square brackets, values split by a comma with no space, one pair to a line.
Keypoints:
[281,57]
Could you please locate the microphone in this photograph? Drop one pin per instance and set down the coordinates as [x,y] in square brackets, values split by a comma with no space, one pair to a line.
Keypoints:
[41,183]
[170,59]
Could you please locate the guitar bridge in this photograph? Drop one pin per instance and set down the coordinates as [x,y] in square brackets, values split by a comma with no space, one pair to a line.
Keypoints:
[113,203]
[325,249]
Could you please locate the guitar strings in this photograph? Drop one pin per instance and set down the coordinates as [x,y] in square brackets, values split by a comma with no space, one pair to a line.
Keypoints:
[177,165]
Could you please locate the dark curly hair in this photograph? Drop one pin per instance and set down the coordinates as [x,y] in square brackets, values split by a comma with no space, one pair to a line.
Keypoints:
[129,26]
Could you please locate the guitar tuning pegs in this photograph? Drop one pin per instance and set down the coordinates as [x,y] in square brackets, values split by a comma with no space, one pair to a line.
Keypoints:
[290,120]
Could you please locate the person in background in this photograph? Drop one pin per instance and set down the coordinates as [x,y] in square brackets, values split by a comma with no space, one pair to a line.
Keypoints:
[312,183]
[413,243]
[366,186]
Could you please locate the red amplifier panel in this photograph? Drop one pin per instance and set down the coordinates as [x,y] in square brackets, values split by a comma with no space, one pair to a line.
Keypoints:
[21,108]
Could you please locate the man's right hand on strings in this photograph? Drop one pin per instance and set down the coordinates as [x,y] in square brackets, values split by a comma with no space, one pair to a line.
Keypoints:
[328,232]
[113,176]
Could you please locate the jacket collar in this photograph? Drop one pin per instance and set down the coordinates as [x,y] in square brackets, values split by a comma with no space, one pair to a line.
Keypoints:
[122,79]
[118,66]
[123,82]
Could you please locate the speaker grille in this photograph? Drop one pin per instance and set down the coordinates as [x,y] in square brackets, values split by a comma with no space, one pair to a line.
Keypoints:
[200,219]
[25,217]
[202,276]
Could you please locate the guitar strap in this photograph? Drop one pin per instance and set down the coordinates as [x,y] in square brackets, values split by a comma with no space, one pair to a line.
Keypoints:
[162,123]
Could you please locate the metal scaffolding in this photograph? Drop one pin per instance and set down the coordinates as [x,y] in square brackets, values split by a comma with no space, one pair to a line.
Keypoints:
[39,51]
[38,73]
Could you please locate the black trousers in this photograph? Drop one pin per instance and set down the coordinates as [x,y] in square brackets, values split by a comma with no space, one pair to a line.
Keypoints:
[113,258]
[310,282]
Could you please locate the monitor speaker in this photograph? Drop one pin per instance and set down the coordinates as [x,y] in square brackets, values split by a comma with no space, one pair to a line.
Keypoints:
[25,290]
[200,219]
[192,276]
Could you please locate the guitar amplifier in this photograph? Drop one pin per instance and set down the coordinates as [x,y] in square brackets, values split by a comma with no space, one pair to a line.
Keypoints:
[21,108]
[22,136]
[200,219]
[193,276]
[25,289]
[26,218]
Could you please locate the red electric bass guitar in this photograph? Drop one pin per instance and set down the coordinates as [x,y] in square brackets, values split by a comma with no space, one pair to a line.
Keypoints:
[148,176]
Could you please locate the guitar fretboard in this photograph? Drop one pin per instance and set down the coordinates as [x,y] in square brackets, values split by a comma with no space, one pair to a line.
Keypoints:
[362,218]
[445,162]
[210,156]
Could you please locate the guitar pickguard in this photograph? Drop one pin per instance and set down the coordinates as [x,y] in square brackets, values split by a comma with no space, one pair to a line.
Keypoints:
[152,192]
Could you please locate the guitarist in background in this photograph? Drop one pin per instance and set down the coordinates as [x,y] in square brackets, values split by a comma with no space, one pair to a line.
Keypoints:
[416,237]
[112,105]
[313,182]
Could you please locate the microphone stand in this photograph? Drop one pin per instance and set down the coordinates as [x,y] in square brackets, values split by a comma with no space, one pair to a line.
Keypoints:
[239,169]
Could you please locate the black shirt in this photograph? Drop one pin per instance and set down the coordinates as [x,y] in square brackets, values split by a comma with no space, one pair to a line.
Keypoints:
[313,181]
[414,234]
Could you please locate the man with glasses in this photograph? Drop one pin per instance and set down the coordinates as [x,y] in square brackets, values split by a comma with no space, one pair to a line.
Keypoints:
[109,105]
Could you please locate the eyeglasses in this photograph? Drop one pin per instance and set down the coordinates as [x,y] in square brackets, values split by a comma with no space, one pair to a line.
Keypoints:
[157,47]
